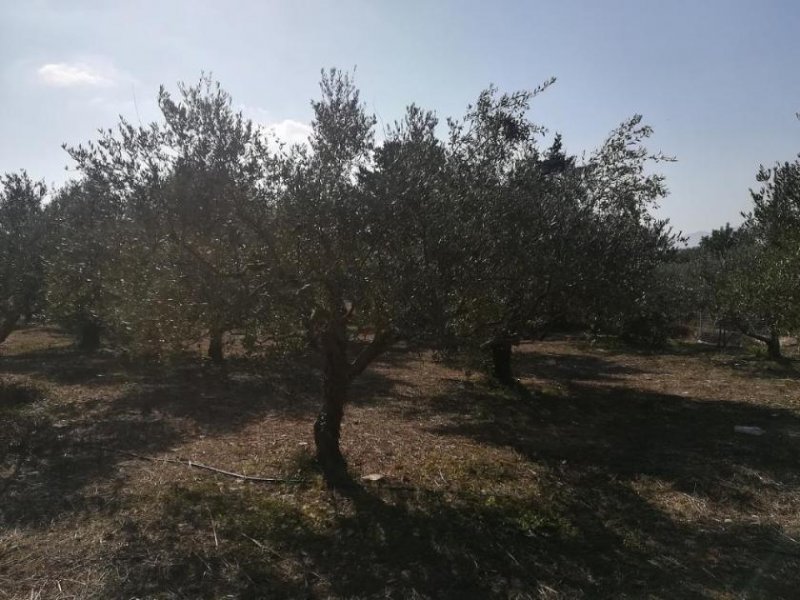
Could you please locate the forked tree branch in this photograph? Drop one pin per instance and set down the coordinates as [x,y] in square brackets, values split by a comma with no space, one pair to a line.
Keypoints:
[378,345]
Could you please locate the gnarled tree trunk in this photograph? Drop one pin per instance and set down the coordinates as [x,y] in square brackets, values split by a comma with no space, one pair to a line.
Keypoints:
[338,374]
[335,384]
[773,341]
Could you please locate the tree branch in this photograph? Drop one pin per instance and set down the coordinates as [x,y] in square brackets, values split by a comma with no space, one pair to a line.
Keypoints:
[376,347]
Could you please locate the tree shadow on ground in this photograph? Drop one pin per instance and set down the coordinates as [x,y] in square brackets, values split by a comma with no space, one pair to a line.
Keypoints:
[628,432]
[583,529]
[378,544]
[581,367]
[749,365]
[613,346]
[15,396]
[744,360]
[49,465]
[598,443]
[375,386]
[63,458]
[599,539]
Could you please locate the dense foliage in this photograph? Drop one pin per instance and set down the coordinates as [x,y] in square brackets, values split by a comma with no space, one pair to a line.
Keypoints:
[22,248]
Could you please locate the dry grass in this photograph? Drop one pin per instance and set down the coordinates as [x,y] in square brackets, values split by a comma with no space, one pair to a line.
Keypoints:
[609,473]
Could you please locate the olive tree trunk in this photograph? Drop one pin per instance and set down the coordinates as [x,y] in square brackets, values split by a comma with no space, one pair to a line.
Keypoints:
[89,336]
[335,385]
[500,348]
[338,374]
[7,325]
[501,361]
[774,345]
[772,341]
[215,348]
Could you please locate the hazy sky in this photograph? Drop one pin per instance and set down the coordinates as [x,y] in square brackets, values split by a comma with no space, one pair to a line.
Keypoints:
[718,80]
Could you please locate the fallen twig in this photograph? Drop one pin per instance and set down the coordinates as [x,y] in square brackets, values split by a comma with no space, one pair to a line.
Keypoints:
[197,465]
[262,546]
[213,527]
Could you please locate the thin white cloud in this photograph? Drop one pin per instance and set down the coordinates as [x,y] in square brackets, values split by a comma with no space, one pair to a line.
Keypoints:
[290,131]
[286,131]
[78,74]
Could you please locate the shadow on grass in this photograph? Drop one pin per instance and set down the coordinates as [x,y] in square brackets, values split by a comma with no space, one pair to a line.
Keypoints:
[596,538]
[580,367]
[751,365]
[744,360]
[16,396]
[368,544]
[583,529]
[628,433]
[596,444]
[63,458]
[612,345]
[586,530]
[52,465]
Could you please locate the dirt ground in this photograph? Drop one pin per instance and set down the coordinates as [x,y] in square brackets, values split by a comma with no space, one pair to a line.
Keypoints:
[608,473]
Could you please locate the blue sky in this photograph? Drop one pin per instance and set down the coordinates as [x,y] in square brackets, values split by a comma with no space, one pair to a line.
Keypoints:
[719,81]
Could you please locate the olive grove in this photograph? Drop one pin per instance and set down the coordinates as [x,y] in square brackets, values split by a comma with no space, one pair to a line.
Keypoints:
[465,235]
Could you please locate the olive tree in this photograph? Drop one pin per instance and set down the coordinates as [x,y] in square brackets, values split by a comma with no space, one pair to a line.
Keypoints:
[417,251]
[761,293]
[83,248]
[192,193]
[511,211]
[22,248]
[718,256]
[764,291]
[343,298]
[549,239]
[627,243]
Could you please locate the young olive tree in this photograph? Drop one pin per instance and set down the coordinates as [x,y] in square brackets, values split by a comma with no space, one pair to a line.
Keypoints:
[219,208]
[523,219]
[485,149]
[764,288]
[353,248]
[761,293]
[539,250]
[719,256]
[22,248]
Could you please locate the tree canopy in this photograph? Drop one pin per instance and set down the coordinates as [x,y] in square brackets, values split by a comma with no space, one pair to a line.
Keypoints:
[22,247]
